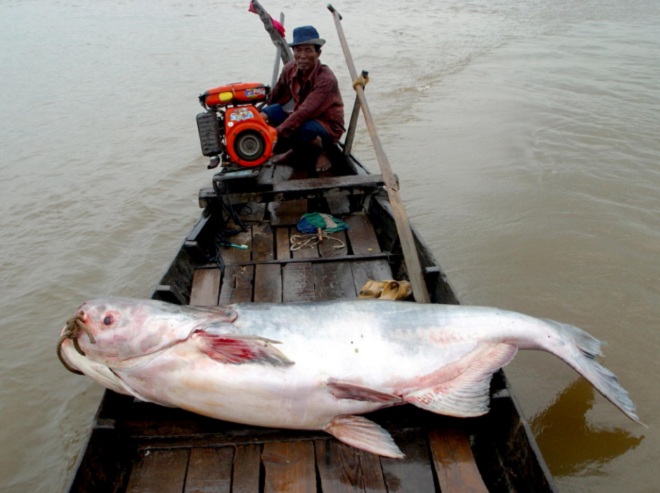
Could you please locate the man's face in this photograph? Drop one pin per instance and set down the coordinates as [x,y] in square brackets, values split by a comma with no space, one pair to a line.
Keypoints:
[306,57]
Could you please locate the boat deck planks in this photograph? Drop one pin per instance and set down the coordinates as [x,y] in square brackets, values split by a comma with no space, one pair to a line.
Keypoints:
[268,283]
[362,235]
[209,469]
[237,284]
[205,287]
[162,471]
[247,460]
[454,463]
[297,282]
[289,467]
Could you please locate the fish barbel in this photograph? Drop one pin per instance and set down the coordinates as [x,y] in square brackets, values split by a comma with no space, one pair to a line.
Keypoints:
[317,366]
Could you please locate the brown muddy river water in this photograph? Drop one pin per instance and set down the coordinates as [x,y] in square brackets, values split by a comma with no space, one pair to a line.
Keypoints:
[524,134]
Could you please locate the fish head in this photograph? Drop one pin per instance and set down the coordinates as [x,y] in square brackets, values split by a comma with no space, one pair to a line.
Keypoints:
[117,331]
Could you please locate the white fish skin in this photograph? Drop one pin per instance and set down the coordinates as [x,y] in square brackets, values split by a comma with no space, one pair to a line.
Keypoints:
[317,365]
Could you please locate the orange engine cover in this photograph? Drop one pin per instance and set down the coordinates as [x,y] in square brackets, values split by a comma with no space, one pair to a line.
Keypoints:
[237,93]
[249,139]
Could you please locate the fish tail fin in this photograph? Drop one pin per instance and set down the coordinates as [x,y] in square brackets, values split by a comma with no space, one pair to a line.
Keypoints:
[583,349]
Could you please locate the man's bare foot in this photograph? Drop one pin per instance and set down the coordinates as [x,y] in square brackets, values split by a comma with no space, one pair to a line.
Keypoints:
[282,158]
[322,163]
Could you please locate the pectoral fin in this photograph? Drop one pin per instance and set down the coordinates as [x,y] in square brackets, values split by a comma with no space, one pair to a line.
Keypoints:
[361,433]
[238,350]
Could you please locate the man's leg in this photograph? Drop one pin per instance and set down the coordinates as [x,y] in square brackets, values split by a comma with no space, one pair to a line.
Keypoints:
[274,115]
[314,134]
[322,160]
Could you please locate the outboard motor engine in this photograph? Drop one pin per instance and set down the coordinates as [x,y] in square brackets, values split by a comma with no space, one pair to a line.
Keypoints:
[232,131]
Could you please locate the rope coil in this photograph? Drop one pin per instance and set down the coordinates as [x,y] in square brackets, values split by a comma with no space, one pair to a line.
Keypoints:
[312,240]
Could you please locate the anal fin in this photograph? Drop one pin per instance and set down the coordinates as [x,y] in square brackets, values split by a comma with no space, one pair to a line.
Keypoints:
[364,434]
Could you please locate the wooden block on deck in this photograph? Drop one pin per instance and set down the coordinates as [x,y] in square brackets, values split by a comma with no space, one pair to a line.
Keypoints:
[289,467]
[209,469]
[362,235]
[159,470]
[237,284]
[297,282]
[454,462]
[205,289]
[333,280]
[268,283]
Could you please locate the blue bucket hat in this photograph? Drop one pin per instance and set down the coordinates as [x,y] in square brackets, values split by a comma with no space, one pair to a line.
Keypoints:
[306,35]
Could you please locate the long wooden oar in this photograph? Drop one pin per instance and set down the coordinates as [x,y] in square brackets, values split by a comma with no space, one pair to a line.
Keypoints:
[400,218]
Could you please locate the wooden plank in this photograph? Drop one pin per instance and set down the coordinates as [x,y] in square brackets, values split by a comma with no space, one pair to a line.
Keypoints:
[287,213]
[159,471]
[307,251]
[454,462]
[205,287]
[268,283]
[247,465]
[330,183]
[339,467]
[338,203]
[298,186]
[209,470]
[235,256]
[372,473]
[297,282]
[329,247]
[282,246]
[262,242]
[289,467]
[333,280]
[413,472]
[363,270]
[237,284]
[362,235]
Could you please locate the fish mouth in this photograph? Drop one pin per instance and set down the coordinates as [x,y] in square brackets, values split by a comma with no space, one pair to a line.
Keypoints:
[71,331]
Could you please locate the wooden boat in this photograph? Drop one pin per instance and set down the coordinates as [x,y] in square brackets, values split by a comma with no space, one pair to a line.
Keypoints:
[138,447]
[135,446]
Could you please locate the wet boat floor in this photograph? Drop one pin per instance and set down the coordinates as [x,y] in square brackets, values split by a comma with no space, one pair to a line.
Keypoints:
[240,458]
[271,271]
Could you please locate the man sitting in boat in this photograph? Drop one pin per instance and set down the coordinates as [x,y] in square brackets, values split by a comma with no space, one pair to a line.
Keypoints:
[317,119]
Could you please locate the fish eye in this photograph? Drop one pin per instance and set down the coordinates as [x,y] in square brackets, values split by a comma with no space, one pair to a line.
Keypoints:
[108,319]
